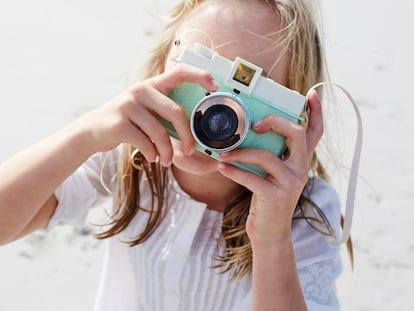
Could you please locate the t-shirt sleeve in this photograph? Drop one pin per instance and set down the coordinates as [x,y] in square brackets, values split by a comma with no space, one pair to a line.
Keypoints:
[318,258]
[89,186]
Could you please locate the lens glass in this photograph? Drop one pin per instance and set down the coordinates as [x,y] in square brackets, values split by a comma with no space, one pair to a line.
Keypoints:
[219,122]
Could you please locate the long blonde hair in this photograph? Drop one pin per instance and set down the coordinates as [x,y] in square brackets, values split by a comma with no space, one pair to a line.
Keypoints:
[300,33]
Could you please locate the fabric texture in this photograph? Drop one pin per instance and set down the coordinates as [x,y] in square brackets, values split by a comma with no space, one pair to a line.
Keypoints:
[171,270]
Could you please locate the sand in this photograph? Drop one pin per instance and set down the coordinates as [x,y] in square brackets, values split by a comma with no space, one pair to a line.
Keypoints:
[59,59]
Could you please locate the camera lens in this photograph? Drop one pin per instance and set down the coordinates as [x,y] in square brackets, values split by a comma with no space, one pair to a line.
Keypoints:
[219,122]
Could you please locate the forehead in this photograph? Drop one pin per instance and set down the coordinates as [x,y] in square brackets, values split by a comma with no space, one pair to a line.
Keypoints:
[247,29]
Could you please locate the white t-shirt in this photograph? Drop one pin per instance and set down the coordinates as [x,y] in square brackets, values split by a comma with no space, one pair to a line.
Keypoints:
[171,270]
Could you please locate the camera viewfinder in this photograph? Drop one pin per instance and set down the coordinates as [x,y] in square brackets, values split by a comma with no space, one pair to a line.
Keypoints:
[244,74]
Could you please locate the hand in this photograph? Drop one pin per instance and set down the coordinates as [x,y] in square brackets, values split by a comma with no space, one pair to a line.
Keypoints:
[131,117]
[275,197]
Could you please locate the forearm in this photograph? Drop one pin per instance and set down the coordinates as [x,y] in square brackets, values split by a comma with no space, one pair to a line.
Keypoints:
[275,279]
[29,179]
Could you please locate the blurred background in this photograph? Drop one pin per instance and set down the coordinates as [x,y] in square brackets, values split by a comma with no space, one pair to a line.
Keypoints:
[59,59]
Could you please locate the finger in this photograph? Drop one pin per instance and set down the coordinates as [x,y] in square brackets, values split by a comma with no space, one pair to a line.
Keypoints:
[155,132]
[135,137]
[173,78]
[294,133]
[265,159]
[315,129]
[254,183]
[169,110]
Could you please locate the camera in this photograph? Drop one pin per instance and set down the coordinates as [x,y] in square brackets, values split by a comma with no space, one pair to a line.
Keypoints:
[221,121]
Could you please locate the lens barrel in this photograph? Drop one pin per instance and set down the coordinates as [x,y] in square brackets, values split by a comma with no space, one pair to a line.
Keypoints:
[220,122]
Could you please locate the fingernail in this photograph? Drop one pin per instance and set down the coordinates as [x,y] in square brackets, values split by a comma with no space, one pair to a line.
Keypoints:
[221,166]
[257,125]
[214,84]
[224,154]
[167,164]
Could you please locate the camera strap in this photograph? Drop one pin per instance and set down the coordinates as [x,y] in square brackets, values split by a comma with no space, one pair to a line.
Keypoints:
[353,175]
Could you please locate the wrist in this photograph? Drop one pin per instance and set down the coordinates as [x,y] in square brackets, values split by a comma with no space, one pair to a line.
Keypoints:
[272,245]
[259,238]
[275,277]
[79,139]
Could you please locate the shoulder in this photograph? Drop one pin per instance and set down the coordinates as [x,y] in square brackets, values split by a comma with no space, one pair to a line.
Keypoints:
[324,197]
[319,215]
[318,257]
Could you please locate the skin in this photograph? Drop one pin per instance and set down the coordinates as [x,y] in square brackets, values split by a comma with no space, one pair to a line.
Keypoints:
[275,280]
[222,24]
[131,118]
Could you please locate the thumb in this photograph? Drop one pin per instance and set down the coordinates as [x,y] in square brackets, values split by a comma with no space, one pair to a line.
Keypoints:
[315,129]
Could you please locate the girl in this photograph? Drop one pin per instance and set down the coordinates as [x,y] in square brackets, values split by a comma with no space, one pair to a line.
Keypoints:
[188,232]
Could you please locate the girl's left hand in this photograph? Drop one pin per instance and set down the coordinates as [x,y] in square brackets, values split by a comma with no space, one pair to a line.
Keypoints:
[275,197]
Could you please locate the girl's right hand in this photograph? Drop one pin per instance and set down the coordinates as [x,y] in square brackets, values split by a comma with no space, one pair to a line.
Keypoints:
[131,117]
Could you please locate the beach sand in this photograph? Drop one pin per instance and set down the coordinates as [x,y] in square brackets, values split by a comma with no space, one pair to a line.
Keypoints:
[59,59]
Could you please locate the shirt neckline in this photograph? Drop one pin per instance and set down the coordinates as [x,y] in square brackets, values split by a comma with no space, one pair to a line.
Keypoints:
[178,190]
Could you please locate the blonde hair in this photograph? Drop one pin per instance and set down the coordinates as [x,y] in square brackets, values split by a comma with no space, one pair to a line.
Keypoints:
[299,31]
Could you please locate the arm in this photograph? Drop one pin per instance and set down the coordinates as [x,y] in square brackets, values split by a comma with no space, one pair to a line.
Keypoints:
[29,179]
[275,277]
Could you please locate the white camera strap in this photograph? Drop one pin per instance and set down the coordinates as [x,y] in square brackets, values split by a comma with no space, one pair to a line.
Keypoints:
[353,175]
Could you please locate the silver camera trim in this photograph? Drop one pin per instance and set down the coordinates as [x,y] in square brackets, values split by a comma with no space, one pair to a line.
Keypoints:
[239,108]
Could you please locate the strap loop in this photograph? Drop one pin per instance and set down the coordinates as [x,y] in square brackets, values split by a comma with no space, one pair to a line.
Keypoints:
[353,176]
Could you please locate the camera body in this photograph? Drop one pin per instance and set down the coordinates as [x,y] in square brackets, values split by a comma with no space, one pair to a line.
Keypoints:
[221,121]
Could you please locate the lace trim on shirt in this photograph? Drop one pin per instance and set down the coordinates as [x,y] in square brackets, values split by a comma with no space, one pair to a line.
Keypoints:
[318,281]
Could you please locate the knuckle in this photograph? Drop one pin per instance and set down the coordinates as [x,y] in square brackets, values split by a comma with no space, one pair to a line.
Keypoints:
[136,89]
[143,90]
[181,72]
[268,157]
[177,112]
[126,102]
[298,131]
[130,98]
[262,157]
[273,118]
[160,134]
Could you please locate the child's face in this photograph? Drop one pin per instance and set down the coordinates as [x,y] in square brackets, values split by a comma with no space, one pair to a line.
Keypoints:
[246,29]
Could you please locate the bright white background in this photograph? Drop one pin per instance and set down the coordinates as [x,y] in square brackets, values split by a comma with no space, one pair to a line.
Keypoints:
[59,59]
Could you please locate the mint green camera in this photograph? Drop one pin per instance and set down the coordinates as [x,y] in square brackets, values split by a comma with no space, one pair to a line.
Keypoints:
[221,121]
